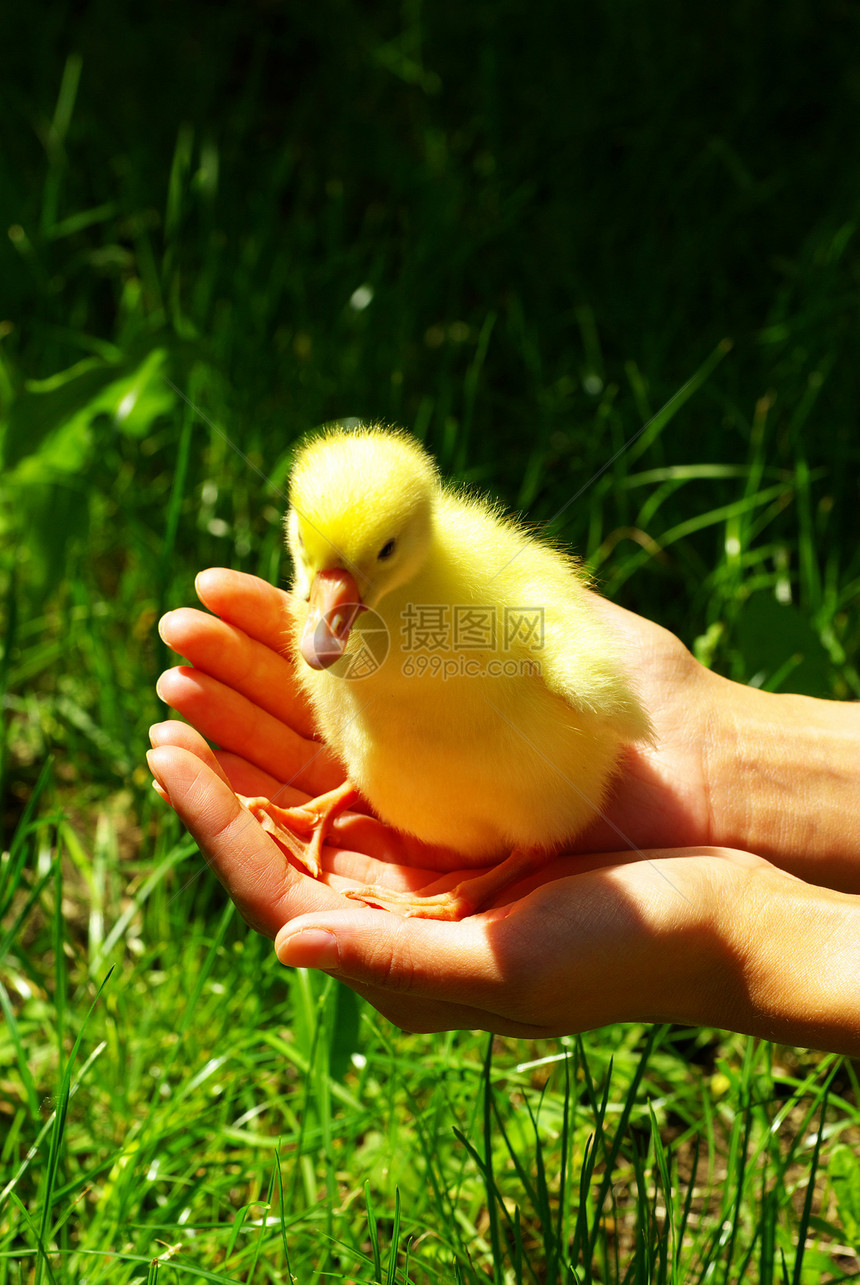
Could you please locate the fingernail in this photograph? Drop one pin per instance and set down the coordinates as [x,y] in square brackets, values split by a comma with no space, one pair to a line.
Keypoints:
[161,624]
[154,739]
[160,791]
[310,948]
[200,582]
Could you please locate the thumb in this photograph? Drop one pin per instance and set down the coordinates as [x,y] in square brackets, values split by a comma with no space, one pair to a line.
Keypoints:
[421,974]
[425,957]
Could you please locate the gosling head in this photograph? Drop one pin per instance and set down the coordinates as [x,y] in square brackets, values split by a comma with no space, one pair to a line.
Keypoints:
[359,525]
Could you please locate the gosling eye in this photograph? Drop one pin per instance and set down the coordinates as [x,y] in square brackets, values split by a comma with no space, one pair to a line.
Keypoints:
[386,551]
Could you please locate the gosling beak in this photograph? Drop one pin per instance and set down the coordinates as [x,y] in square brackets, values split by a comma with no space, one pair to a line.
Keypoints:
[333,606]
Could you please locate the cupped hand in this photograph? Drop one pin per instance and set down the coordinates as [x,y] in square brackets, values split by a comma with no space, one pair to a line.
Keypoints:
[607,918]
[587,941]
[668,928]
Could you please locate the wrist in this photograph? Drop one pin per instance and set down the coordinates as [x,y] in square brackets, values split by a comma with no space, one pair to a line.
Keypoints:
[791,961]
[784,780]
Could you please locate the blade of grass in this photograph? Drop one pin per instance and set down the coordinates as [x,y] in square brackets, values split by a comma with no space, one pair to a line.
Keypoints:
[806,1212]
[56,138]
[373,1233]
[391,1273]
[51,1171]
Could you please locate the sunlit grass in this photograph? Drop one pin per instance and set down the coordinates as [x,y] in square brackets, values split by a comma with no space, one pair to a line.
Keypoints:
[221,1118]
[538,274]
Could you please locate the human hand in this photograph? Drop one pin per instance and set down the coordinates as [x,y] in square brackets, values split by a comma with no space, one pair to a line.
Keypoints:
[771,773]
[706,936]
[611,930]
[242,694]
[673,936]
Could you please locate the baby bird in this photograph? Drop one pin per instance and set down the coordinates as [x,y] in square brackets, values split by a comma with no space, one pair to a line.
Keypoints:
[454,663]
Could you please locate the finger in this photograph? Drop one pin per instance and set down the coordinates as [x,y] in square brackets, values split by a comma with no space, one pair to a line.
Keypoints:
[183,736]
[416,959]
[246,778]
[225,652]
[362,850]
[347,868]
[241,776]
[250,865]
[236,724]
[252,604]
[423,975]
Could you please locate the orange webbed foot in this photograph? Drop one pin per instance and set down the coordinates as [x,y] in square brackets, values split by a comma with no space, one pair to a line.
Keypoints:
[303,829]
[451,906]
[467,898]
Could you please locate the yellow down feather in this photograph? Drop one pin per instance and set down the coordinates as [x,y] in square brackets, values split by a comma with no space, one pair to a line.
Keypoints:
[510,740]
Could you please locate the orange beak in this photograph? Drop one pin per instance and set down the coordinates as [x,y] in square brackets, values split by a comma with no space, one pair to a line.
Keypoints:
[332,608]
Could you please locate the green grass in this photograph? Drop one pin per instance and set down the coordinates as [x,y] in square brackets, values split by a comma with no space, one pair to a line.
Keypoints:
[210,1115]
[527,235]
